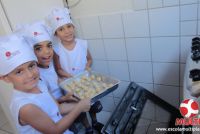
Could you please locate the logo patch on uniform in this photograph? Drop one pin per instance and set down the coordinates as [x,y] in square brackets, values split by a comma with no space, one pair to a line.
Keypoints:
[8,54]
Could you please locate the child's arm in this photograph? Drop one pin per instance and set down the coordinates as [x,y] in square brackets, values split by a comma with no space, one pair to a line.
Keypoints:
[58,67]
[34,116]
[89,60]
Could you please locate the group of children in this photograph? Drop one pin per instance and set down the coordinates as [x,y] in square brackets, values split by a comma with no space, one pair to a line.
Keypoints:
[35,66]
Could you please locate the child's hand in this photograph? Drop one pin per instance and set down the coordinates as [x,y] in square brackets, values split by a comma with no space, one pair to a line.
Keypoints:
[68,97]
[87,68]
[68,75]
[60,80]
[84,105]
[1,77]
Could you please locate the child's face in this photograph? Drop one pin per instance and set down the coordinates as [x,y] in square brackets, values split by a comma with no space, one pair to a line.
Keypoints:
[44,53]
[65,33]
[25,77]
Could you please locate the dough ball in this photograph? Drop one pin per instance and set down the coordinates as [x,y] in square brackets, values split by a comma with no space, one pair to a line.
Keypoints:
[98,78]
[92,77]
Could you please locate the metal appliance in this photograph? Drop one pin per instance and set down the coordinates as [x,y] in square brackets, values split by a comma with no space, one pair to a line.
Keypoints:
[125,117]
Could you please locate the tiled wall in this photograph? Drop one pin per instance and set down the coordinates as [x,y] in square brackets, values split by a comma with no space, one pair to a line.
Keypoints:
[148,45]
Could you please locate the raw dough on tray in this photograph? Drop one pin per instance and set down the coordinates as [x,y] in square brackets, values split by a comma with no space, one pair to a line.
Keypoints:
[87,86]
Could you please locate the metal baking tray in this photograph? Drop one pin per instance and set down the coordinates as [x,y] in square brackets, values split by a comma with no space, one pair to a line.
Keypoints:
[111,83]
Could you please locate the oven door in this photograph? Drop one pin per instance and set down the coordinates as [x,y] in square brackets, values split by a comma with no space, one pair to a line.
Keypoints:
[126,118]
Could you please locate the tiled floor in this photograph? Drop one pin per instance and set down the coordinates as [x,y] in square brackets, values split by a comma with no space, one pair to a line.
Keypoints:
[5,127]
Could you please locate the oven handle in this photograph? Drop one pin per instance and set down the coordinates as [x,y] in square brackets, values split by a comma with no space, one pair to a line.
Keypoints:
[133,108]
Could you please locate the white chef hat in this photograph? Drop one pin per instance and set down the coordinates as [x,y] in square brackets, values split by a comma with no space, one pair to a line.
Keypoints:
[36,33]
[58,17]
[14,51]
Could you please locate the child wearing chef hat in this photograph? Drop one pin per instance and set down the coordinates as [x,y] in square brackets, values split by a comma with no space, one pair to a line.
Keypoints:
[72,55]
[39,39]
[33,109]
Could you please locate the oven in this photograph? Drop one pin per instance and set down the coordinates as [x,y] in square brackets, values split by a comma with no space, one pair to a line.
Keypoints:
[125,117]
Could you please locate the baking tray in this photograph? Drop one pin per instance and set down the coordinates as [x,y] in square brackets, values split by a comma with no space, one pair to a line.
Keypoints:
[111,83]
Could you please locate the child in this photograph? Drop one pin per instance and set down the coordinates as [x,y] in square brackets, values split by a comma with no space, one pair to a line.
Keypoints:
[40,40]
[33,109]
[72,55]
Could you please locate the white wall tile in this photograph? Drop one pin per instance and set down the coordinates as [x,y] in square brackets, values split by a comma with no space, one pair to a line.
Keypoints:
[136,24]
[112,26]
[168,93]
[108,103]
[78,30]
[164,22]
[103,116]
[154,3]
[96,48]
[119,92]
[188,1]
[115,49]
[198,11]
[198,28]
[138,49]
[140,4]
[181,94]
[141,71]
[165,49]
[182,74]
[189,28]
[147,86]
[186,43]
[90,27]
[170,2]
[189,12]
[100,66]
[119,69]
[166,73]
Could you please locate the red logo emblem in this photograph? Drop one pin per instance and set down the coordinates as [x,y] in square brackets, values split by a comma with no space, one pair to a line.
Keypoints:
[35,33]
[189,108]
[8,54]
[57,18]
